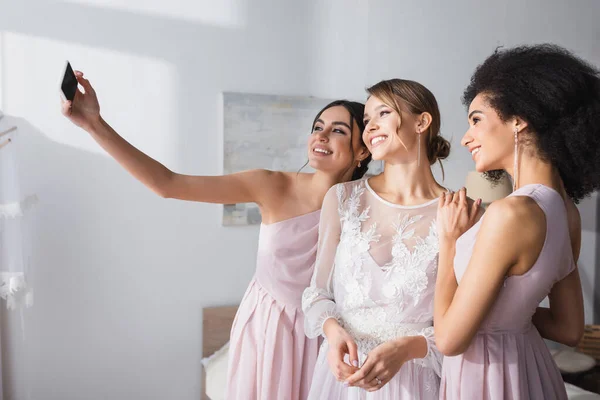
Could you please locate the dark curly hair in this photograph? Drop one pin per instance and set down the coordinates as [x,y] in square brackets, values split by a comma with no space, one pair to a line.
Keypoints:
[357,112]
[558,95]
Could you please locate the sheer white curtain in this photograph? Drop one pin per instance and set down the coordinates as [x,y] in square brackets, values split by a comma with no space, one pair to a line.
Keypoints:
[16,207]
[15,218]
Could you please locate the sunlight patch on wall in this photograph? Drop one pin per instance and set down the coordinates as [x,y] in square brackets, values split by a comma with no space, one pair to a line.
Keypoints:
[137,94]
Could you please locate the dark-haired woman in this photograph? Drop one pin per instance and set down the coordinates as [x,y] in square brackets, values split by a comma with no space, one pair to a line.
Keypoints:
[269,356]
[534,113]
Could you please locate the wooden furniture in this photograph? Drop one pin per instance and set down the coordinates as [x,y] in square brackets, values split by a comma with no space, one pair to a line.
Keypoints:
[216,326]
[590,343]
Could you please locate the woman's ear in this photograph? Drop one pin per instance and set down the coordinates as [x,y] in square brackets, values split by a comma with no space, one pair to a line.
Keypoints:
[423,122]
[519,124]
[363,153]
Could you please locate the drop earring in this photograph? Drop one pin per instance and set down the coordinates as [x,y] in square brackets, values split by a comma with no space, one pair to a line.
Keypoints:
[359,164]
[419,149]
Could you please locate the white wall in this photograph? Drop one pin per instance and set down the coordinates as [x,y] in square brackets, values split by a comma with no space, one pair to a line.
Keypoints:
[122,275]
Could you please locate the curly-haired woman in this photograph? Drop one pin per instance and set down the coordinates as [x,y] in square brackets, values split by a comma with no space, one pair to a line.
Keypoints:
[534,113]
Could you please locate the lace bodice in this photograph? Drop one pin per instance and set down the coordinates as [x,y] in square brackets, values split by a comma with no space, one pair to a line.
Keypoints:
[375,270]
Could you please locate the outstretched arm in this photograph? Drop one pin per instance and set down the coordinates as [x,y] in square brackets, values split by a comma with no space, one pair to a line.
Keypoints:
[248,186]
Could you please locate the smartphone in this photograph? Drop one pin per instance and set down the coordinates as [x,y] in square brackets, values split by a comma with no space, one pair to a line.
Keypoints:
[68,87]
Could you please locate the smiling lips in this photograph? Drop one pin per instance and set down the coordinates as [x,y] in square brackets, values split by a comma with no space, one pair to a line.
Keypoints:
[376,140]
[322,151]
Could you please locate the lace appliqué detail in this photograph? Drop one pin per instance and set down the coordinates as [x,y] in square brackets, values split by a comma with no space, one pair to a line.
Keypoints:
[406,274]
[371,328]
[353,248]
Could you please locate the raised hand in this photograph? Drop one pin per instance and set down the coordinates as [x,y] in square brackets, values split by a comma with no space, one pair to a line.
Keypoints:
[455,216]
[84,110]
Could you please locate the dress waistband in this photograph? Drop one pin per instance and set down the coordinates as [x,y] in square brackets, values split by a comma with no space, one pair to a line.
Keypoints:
[369,334]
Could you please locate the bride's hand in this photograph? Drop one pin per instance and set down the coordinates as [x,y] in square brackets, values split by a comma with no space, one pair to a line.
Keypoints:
[84,110]
[382,363]
[340,343]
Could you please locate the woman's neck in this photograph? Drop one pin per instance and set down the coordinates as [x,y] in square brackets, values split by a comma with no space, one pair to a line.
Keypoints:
[534,170]
[406,184]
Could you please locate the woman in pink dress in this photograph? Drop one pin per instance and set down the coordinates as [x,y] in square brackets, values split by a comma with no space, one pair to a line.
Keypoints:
[371,296]
[534,113]
[269,356]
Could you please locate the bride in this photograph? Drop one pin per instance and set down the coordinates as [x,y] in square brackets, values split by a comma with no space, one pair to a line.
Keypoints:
[371,294]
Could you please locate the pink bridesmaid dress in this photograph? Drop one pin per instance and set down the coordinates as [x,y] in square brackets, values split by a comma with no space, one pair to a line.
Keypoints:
[269,355]
[508,359]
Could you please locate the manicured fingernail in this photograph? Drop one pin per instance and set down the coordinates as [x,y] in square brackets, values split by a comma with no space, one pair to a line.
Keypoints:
[355,363]
[346,384]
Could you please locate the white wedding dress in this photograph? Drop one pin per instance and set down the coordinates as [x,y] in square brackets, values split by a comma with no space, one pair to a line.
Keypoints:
[375,273]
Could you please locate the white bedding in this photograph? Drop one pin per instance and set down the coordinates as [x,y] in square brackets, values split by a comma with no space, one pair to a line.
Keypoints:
[215,367]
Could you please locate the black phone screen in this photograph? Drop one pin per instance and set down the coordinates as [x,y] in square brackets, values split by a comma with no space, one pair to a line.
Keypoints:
[69,83]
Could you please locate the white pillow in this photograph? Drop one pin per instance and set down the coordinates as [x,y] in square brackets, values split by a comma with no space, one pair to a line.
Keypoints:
[216,373]
[572,362]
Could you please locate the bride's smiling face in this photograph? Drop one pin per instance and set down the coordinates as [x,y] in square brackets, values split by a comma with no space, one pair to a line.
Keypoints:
[389,136]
